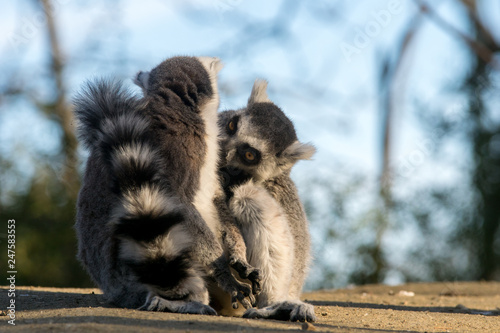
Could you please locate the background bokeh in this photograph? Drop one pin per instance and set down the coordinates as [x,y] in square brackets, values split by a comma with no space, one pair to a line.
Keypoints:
[401,99]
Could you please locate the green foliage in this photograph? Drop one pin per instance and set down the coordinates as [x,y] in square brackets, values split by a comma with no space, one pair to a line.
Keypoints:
[46,244]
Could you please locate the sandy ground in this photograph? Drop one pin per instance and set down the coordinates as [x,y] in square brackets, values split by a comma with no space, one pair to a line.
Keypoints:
[437,307]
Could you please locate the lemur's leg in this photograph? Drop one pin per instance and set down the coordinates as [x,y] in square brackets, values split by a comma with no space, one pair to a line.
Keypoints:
[270,247]
[267,237]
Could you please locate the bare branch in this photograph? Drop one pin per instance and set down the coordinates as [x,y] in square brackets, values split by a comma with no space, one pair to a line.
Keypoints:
[483,52]
[472,8]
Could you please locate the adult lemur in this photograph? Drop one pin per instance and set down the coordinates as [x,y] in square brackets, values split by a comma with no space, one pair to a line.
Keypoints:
[147,222]
[260,147]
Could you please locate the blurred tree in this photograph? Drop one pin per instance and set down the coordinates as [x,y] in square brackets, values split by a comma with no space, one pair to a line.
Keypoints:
[40,186]
[467,246]
[44,214]
[477,223]
[484,135]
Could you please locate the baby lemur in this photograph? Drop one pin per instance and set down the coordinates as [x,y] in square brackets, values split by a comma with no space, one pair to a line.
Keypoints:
[260,147]
[147,223]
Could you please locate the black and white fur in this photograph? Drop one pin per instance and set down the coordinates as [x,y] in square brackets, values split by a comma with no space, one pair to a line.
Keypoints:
[146,223]
[265,203]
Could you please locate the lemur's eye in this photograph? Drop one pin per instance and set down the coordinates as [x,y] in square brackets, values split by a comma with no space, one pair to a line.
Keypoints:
[232,126]
[249,155]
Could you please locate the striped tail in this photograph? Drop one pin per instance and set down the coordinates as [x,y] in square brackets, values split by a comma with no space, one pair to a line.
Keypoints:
[147,219]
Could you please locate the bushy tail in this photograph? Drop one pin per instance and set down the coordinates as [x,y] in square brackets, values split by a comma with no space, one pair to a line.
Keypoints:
[147,218]
[110,123]
[101,101]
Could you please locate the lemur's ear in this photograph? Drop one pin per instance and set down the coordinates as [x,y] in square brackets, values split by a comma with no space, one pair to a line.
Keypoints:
[212,64]
[141,79]
[216,65]
[259,92]
[298,151]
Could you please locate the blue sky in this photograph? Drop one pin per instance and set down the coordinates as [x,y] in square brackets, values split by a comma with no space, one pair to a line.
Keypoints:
[158,29]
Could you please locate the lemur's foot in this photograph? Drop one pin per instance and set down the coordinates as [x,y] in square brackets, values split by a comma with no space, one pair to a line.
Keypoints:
[246,271]
[286,310]
[160,304]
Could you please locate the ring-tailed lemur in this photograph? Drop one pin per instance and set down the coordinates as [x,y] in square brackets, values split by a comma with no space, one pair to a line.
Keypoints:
[260,147]
[146,222]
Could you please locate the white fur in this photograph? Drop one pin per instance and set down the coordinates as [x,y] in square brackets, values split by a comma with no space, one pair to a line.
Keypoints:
[128,122]
[268,238]
[299,151]
[148,199]
[209,182]
[176,241]
[143,155]
[167,246]
[142,80]
[259,93]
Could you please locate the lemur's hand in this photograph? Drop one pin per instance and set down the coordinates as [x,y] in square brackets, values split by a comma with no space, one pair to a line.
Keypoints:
[246,271]
[242,293]
[239,291]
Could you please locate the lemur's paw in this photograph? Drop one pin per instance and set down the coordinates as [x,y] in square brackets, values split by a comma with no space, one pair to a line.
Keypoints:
[197,308]
[245,271]
[253,314]
[239,291]
[303,312]
[254,277]
[285,310]
[242,293]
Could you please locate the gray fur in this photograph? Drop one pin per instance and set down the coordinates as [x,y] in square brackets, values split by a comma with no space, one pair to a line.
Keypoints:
[211,204]
[266,205]
[286,310]
[147,158]
[270,244]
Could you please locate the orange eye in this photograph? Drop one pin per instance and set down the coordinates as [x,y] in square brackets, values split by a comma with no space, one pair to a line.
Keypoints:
[231,126]
[249,156]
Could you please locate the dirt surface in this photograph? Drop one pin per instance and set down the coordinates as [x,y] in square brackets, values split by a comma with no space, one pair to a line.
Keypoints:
[437,307]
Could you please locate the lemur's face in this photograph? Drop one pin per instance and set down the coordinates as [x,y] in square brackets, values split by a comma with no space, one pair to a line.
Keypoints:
[243,148]
[260,139]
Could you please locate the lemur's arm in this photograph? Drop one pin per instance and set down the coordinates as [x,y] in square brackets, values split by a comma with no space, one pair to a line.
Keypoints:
[234,245]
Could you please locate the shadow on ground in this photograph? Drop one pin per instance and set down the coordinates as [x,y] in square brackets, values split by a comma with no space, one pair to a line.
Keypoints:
[27,300]
[440,309]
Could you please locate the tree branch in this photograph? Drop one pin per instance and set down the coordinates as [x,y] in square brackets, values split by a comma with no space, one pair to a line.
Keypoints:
[483,52]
